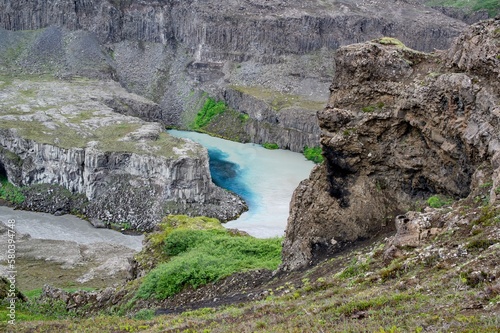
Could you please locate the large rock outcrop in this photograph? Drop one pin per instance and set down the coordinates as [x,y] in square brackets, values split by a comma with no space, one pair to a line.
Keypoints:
[174,51]
[131,171]
[400,126]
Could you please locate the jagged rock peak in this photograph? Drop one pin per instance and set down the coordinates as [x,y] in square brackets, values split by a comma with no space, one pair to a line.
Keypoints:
[400,126]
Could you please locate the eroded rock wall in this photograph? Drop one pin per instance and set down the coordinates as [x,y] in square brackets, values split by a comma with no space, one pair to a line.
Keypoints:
[170,51]
[400,126]
[67,133]
[121,187]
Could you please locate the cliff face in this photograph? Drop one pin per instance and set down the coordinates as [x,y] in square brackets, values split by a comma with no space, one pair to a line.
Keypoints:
[131,171]
[171,51]
[400,126]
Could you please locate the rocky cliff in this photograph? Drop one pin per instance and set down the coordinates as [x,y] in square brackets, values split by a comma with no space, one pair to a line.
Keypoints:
[173,51]
[400,126]
[132,172]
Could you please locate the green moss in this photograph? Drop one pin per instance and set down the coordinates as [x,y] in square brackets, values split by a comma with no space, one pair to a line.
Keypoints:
[210,109]
[371,108]
[348,131]
[269,145]
[10,192]
[391,41]
[314,154]
[437,201]
[367,109]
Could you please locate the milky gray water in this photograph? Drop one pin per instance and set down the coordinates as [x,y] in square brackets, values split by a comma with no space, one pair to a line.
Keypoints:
[265,178]
[66,227]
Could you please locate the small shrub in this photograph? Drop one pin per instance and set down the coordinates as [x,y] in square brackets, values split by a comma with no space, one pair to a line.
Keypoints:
[437,202]
[244,117]
[314,154]
[269,145]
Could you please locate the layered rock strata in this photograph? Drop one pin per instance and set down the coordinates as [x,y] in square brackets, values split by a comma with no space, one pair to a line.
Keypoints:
[400,126]
[173,51]
[131,171]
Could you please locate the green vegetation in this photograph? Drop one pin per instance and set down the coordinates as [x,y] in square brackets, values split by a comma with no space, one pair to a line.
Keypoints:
[210,109]
[391,41]
[10,192]
[491,6]
[314,154]
[437,201]
[354,269]
[371,108]
[199,256]
[271,146]
[358,290]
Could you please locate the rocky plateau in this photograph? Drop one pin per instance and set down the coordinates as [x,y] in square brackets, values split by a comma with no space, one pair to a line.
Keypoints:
[70,133]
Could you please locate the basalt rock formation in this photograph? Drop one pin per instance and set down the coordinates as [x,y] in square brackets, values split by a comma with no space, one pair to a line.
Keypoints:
[62,132]
[400,126]
[175,51]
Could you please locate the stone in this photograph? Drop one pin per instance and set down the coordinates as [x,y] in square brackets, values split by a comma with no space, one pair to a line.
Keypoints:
[400,126]
[175,52]
[126,169]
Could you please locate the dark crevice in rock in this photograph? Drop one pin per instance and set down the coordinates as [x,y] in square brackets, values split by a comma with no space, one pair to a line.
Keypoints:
[3,172]
[338,175]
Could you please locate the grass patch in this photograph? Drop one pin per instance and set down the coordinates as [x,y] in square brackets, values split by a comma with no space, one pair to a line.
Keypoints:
[210,109]
[10,192]
[437,201]
[354,269]
[314,154]
[200,256]
[491,6]
[269,145]
[391,41]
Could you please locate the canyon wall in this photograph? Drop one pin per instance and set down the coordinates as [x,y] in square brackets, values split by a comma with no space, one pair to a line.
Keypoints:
[172,51]
[64,133]
[400,126]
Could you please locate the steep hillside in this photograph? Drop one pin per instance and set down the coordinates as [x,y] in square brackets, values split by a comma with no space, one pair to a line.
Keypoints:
[400,126]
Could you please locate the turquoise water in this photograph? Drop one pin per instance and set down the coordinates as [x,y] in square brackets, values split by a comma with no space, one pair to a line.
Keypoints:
[264,178]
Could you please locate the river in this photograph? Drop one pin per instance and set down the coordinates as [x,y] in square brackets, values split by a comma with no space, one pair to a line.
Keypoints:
[264,178]
[67,228]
